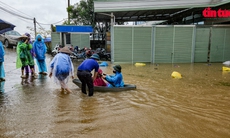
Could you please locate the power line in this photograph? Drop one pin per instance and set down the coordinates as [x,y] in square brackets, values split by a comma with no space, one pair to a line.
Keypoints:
[40,26]
[18,15]
[15,14]
[12,8]
[4,7]
[25,20]
[55,22]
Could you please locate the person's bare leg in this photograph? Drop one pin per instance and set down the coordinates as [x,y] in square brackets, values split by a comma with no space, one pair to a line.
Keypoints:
[62,90]
[68,90]
[33,73]
[22,72]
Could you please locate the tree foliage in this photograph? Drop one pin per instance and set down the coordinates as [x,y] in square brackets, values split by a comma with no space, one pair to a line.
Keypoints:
[82,13]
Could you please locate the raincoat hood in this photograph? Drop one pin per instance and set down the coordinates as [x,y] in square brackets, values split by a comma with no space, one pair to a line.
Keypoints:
[39,47]
[39,36]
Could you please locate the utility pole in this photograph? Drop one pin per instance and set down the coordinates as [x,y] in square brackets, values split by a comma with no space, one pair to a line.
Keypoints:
[68,13]
[35,33]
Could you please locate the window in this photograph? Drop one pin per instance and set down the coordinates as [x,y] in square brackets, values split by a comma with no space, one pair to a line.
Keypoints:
[68,39]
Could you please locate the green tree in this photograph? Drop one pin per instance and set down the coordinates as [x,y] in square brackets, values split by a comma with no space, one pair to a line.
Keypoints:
[82,13]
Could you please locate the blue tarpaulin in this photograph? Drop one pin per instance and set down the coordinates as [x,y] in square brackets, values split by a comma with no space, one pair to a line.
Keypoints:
[74,29]
[5,26]
[47,39]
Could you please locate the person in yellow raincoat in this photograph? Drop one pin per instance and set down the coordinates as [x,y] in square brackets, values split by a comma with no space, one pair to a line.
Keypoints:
[24,58]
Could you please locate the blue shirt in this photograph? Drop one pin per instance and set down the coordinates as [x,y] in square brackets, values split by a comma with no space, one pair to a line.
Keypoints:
[115,80]
[89,65]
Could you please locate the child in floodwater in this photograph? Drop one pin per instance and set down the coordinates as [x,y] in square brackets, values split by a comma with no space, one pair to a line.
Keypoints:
[62,68]
[99,81]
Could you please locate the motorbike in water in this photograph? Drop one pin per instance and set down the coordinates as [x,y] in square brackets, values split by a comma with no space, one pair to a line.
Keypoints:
[85,53]
[56,49]
[103,54]
[78,53]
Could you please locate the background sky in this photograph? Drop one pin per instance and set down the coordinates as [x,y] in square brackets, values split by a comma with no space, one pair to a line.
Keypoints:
[46,12]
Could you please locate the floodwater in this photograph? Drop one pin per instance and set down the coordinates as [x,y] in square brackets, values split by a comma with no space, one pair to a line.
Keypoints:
[196,106]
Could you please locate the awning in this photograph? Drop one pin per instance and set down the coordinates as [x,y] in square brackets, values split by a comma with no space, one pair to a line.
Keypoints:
[5,26]
[153,10]
[74,29]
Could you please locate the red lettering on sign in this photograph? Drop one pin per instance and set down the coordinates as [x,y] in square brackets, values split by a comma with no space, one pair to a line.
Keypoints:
[209,13]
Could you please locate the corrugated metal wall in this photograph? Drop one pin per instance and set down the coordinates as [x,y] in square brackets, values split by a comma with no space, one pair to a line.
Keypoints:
[133,44]
[217,45]
[201,44]
[123,44]
[80,40]
[183,44]
[142,44]
[220,45]
[171,44]
[164,43]
[55,39]
[227,46]
[76,40]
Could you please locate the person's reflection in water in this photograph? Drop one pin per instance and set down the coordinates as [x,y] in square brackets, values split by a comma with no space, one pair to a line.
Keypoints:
[28,81]
[2,84]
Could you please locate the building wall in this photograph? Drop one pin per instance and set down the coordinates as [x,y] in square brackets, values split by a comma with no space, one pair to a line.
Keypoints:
[80,40]
[202,44]
[171,44]
[132,44]
[55,39]
[220,46]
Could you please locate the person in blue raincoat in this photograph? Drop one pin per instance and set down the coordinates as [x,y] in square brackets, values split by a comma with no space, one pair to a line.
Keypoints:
[39,48]
[115,80]
[61,68]
[2,54]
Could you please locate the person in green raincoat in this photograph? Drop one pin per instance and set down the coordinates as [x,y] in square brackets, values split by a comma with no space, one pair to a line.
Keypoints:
[24,58]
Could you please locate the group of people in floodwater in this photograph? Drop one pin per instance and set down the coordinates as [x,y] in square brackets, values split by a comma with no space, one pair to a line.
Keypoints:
[61,67]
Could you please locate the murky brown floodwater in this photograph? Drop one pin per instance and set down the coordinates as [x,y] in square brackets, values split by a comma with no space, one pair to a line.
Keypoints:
[196,106]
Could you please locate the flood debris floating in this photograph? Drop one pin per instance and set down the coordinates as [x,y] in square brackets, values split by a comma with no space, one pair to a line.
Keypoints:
[103,64]
[140,64]
[226,63]
[176,75]
[226,68]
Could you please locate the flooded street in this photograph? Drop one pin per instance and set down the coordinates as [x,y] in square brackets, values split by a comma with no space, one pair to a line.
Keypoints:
[196,106]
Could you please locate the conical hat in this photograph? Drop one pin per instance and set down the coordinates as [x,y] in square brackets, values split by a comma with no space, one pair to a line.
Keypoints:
[65,50]
[23,36]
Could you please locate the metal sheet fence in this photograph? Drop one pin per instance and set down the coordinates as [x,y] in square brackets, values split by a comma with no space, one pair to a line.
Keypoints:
[171,44]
